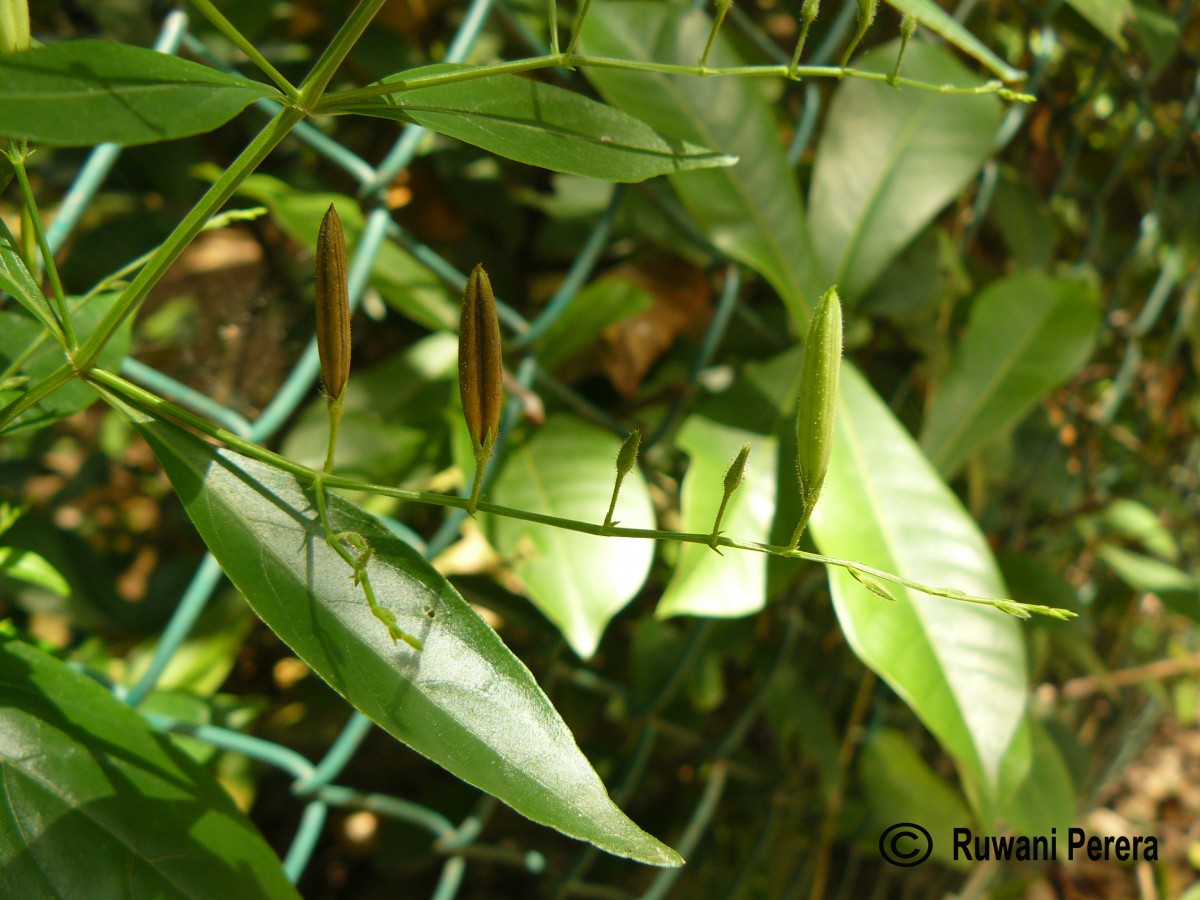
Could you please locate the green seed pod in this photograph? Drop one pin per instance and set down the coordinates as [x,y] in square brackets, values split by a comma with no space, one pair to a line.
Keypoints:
[480,363]
[818,398]
[333,305]
[866,12]
[809,11]
[14,26]
[737,470]
[627,456]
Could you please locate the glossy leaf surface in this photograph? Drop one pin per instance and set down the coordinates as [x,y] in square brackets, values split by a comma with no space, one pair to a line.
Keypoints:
[78,93]
[961,668]
[888,161]
[541,125]
[99,805]
[464,701]
[751,211]
[704,583]
[1026,336]
[579,581]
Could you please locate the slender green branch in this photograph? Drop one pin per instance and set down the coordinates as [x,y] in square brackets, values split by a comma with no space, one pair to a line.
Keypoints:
[60,301]
[339,48]
[141,397]
[344,101]
[37,393]
[240,41]
[552,10]
[576,28]
[170,250]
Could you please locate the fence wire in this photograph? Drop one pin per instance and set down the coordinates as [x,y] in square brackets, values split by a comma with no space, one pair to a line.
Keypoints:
[1121,103]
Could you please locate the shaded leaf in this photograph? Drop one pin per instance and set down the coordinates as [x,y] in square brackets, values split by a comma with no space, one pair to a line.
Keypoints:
[579,581]
[1108,16]
[99,805]
[961,668]
[26,346]
[751,211]
[599,305]
[937,20]
[16,281]
[1026,336]
[1045,800]
[538,124]
[78,93]
[465,701]
[888,161]
[703,583]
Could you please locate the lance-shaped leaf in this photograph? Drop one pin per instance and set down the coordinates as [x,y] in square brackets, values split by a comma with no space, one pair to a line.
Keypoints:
[538,124]
[937,20]
[79,93]
[752,211]
[96,804]
[465,701]
[961,668]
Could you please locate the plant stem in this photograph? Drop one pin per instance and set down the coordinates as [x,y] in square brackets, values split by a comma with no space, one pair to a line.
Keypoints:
[141,397]
[170,250]
[340,102]
[240,41]
[38,392]
[335,420]
[339,48]
[60,302]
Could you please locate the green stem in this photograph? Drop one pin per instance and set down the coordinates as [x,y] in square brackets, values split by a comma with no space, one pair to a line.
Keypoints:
[714,539]
[340,102]
[153,403]
[576,28]
[553,13]
[339,48]
[60,301]
[37,393]
[722,10]
[240,41]
[612,504]
[170,250]
[335,408]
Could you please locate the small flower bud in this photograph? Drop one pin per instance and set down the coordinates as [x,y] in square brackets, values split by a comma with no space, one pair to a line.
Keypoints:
[809,11]
[818,399]
[14,26]
[333,305]
[871,583]
[737,470]
[480,363]
[627,456]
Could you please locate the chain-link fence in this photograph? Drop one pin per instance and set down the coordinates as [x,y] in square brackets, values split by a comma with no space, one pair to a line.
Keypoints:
[1112,147]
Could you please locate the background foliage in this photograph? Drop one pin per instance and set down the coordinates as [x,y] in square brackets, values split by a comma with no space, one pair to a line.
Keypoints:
[1018,419]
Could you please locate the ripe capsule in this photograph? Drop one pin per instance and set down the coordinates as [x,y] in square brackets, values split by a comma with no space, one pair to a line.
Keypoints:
[480,363]
[333,305]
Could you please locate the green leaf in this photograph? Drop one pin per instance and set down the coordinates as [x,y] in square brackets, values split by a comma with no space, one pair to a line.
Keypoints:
[961,668]
[901,787]
[1027,335]
[599,305]
[1108,16]
[407,285]
[704,583]
[16,281]
[752,211]
[889,161]
[79,93]
[465,701]
[99,805]
[1046,798]
[1138,522]
[29,567]
[26,349]
[940,22]
[1145,574]
[537,124]
[567,468]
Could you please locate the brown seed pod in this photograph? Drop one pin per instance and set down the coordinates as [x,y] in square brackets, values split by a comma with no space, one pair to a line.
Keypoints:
[480,363]
[333,305]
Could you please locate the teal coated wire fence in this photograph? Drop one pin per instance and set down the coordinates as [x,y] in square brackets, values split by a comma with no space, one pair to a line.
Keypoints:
[1101,192]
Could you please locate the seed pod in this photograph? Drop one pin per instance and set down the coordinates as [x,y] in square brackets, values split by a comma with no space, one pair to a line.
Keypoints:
[818,398]
[809,11]
[333,305]
[737,470]
[14,26]
[480,363]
